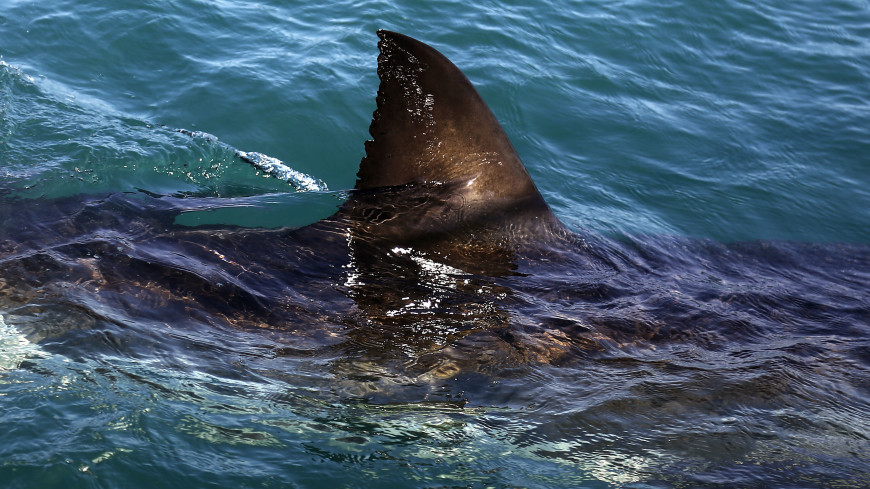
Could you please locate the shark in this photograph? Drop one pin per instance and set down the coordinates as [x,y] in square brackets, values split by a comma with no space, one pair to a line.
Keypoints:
[445,260]
[445,287]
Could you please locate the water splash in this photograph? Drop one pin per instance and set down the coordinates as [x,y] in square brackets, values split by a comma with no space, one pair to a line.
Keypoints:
[272,166]
[278,169]
[15,347]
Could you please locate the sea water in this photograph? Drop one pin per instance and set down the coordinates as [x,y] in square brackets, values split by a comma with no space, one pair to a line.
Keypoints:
[727,120]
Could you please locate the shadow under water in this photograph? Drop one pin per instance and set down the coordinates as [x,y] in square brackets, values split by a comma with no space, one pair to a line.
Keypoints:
[709,353]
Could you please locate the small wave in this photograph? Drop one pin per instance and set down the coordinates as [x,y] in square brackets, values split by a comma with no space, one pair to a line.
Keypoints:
[15,347]
[278,169]
[270,165]
[15,71]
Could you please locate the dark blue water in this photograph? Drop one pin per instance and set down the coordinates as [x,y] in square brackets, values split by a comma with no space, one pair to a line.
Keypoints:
[713,157]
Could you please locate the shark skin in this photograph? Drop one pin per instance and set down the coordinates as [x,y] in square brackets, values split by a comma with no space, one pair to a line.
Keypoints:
[445,259]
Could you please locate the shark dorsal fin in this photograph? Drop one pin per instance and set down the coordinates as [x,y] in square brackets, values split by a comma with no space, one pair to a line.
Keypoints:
[431,125]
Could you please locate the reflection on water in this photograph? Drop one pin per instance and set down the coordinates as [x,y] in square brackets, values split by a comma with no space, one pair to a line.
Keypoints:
[662,361]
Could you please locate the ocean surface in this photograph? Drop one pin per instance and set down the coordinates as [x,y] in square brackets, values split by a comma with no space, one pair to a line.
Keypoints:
[670,135]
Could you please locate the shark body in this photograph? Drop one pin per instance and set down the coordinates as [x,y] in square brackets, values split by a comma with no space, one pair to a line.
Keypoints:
[444,259]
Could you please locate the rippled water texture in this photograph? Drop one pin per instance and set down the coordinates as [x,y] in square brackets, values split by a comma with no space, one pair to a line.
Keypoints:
[164,322]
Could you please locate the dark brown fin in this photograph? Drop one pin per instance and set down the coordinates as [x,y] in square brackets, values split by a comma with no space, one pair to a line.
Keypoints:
[432,126]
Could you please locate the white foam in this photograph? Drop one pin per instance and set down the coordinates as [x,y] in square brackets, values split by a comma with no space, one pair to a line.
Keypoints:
[278,169]
[270,165]
[15,347]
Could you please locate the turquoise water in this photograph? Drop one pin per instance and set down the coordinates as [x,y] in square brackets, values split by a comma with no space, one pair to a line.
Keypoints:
[731,121]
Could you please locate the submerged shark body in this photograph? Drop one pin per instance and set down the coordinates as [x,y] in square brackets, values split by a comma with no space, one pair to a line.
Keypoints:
[444,259]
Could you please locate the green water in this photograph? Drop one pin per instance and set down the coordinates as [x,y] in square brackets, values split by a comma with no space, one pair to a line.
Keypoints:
[734,121]
[728,120]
